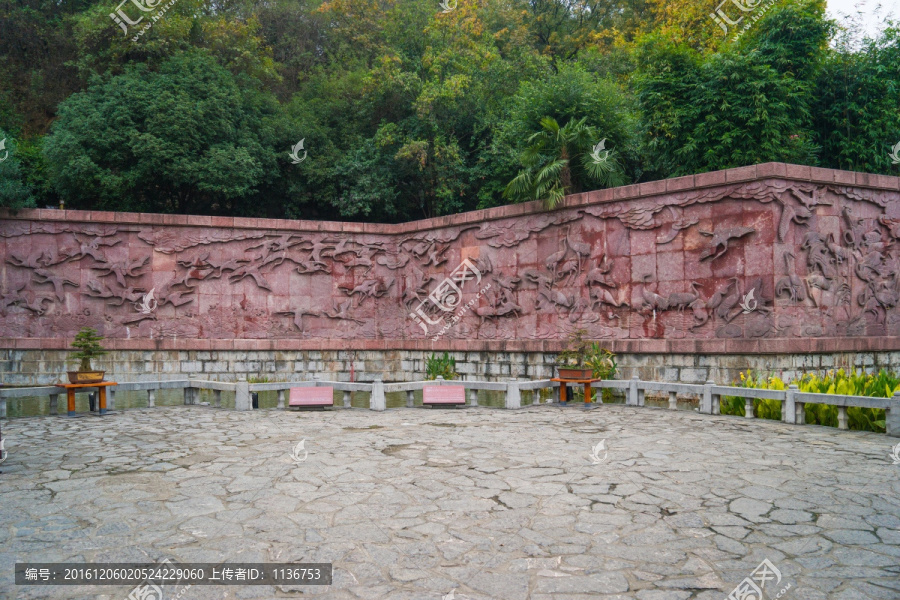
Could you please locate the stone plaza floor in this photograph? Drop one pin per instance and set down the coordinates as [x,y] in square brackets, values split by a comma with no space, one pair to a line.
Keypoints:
[474,503]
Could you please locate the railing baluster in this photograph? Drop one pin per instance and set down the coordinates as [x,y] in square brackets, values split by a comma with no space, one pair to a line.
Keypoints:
[473,397]
[748,408]
[151,398]
[281,399]
[54,404]
[348,399]
[673,401]
[217,398]
[842,417]
[410,398]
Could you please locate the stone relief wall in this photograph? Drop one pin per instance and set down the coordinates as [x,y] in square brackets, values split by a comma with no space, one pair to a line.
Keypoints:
[762,259]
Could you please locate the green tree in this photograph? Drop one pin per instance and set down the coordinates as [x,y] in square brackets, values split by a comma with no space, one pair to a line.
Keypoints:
[746,105]
[857,95]
[560,161]
[14,191]
[186,138]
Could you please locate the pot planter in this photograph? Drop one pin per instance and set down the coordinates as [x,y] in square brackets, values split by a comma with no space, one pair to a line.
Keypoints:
[573,373]
[86,376]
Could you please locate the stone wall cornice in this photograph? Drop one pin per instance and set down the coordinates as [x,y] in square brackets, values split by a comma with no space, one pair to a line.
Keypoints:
[646,346]
[758,172]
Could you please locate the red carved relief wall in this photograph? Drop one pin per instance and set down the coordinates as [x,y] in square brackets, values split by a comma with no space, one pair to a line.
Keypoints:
[764,253]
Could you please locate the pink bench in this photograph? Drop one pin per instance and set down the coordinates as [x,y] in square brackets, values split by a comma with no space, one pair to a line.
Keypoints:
[443,395]
[311,396]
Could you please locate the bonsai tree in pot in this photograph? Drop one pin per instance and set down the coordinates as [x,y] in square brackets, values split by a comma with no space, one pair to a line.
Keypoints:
[572,362]
[87,346]
[583,359]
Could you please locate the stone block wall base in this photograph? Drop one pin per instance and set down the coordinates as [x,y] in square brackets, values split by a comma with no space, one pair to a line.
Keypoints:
[42,367]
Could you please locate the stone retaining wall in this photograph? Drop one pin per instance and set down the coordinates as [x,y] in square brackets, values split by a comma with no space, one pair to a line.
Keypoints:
[41,367]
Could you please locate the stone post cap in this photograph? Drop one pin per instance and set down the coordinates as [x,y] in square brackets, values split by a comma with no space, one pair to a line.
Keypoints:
[793,386]
[242,379]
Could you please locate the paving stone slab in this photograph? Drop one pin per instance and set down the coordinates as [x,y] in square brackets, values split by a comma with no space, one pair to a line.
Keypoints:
[488,503]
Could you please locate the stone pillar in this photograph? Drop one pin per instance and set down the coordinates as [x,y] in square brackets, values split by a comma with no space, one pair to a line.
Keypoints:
[632,391]
[673,401]
[410,399]
[195,391]
[706,401]
[280,399]
[217,398]
[748,408]
[111,398]
[555,399]
[790,405]
[2,409]
[348,399]
[54,404]
[513,395]
[151,398]
[842,417]
[242,400]
[376,398]
[473,397]
[892,416]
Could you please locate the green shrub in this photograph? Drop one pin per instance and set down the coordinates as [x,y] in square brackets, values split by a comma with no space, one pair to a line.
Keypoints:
[880,385]
[440,366]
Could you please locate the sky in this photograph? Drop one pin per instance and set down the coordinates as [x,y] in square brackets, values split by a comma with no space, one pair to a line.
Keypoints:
[873,11]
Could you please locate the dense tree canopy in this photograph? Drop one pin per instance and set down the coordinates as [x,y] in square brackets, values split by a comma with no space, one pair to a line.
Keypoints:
[413,108]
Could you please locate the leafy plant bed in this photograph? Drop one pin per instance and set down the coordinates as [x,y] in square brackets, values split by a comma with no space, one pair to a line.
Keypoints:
[880,385]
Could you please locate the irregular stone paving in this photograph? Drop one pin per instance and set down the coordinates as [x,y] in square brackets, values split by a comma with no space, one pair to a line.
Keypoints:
[414,503]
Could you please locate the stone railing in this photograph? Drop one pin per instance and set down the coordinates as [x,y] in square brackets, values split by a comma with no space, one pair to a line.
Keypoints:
[709,395]
[792,400]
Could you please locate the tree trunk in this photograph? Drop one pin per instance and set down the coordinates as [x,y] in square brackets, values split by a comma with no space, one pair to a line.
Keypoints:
[565,175]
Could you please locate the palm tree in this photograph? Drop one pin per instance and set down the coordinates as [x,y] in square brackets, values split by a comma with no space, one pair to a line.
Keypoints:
[558,161]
